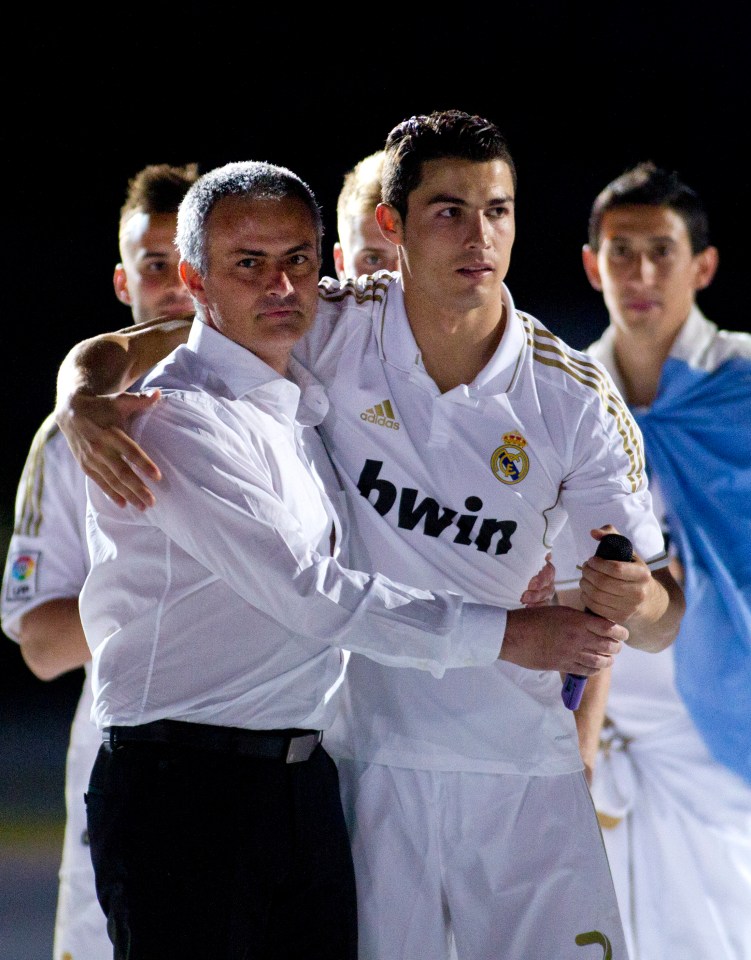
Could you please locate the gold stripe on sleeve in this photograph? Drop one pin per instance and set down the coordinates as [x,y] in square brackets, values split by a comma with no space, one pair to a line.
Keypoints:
[29,508]
[551,351]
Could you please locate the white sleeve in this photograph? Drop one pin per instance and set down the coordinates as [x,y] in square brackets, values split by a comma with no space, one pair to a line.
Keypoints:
[607,484]
[218,501]
[47,555]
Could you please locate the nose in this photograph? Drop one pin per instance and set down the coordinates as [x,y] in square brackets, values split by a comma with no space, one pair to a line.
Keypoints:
[645,268]
[279,284]
[177,291]
[477,230]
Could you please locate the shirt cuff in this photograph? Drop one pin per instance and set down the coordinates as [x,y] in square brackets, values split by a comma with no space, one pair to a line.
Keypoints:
[482,629]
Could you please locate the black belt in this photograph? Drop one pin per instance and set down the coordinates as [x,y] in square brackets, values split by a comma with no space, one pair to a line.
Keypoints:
[292,746]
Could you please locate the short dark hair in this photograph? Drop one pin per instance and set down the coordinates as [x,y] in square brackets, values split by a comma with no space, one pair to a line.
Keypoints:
[445,133]
[649,185]
[254,179]
[158,188]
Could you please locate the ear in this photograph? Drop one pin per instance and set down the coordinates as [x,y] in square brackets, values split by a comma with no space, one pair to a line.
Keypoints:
[339,261]
[706,267]
[193,281]
[120,283]
[390,223]
[591,268]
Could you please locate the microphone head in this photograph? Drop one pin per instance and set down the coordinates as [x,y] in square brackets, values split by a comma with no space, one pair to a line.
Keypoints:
[613,546]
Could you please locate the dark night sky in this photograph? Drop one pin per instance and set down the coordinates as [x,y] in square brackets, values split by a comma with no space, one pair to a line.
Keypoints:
[580,92]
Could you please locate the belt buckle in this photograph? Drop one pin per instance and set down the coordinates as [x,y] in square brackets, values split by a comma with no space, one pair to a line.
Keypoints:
[300,748]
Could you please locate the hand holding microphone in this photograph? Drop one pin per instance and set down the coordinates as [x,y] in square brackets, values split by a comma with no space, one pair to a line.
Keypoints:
[613,546]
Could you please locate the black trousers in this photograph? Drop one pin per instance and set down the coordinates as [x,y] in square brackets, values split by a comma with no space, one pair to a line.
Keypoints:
[213,856]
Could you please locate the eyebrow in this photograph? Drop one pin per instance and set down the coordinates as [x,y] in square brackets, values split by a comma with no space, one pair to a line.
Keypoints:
[298,248]
[459,202]
[659,238]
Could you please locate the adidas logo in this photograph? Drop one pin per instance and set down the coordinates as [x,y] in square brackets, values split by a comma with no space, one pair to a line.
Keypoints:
[382,414]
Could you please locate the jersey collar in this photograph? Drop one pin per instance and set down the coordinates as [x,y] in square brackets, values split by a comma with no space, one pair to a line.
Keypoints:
[398,347]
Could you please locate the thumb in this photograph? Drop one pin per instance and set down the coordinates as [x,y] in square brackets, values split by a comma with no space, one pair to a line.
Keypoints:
[599,532]
[130,404]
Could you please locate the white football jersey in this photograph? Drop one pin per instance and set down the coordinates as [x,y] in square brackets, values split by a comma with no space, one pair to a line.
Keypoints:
[467,490]
[47,560]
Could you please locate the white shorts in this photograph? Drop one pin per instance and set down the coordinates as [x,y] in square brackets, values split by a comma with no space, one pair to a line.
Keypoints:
[80,923]
[510,867]
[681,853]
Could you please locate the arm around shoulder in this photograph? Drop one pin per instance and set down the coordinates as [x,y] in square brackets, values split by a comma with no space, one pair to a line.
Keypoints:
[93,412]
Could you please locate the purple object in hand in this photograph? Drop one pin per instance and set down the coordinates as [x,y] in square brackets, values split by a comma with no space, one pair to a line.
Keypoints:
[613,546]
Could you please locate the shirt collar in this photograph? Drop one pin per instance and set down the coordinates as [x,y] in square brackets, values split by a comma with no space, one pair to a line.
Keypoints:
[399,348]
[244,373]
[693,338]
[690,345]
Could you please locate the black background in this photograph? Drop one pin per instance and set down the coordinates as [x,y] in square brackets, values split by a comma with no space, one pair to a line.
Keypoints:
[582,91]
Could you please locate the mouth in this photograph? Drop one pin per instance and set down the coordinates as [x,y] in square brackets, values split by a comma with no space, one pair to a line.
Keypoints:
[476,271]
[178,310]
[641,305]
[281,314]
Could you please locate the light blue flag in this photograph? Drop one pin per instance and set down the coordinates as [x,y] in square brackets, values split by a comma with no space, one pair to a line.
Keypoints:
[697,437]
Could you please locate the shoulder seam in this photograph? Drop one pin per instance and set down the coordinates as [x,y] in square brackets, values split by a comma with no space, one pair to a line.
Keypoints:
[551,351]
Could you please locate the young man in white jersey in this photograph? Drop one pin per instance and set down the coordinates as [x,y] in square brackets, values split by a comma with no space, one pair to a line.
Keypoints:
[465,434]
[48,558]
[673,780]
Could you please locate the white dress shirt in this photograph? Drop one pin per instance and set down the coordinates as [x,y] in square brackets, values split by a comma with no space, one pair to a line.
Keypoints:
[222,604]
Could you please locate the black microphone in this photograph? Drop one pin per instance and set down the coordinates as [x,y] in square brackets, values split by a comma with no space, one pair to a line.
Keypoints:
[613,546]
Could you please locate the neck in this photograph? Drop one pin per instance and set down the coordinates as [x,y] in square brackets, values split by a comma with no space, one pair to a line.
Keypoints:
[455,347]
[640,356]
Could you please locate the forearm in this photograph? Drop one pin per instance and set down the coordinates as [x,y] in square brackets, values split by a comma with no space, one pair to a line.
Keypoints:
[657,623]
[112,362]
[97,366]
[590,716]
[52,639]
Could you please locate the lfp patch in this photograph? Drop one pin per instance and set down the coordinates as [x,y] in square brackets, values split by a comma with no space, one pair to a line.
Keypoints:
[23,573]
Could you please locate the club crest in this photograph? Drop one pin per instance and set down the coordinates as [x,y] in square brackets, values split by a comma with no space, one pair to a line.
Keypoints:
[510,462]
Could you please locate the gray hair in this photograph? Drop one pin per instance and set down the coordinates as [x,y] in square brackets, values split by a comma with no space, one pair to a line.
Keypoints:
[249,178]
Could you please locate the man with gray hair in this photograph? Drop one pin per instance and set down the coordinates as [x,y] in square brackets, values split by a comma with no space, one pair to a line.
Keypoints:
[218,620]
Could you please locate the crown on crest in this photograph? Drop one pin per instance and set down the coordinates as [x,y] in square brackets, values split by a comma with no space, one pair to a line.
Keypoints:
[514,440]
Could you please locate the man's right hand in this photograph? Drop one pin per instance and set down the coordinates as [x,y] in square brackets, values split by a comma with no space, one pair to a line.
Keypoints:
[561,638]
[94,427]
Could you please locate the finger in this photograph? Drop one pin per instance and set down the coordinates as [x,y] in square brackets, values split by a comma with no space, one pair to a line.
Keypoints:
[115,446]
[592,661]
[130,404]
[120,482]
[599,532]
[602,627]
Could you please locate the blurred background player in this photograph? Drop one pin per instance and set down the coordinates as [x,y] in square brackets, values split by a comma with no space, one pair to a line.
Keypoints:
[673,779]
[48,558]
[361,247]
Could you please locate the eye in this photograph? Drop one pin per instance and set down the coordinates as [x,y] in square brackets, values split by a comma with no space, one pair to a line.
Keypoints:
[619,250]
[662,250]
[497,213]
[247,262]
[449,213]
[156,266]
